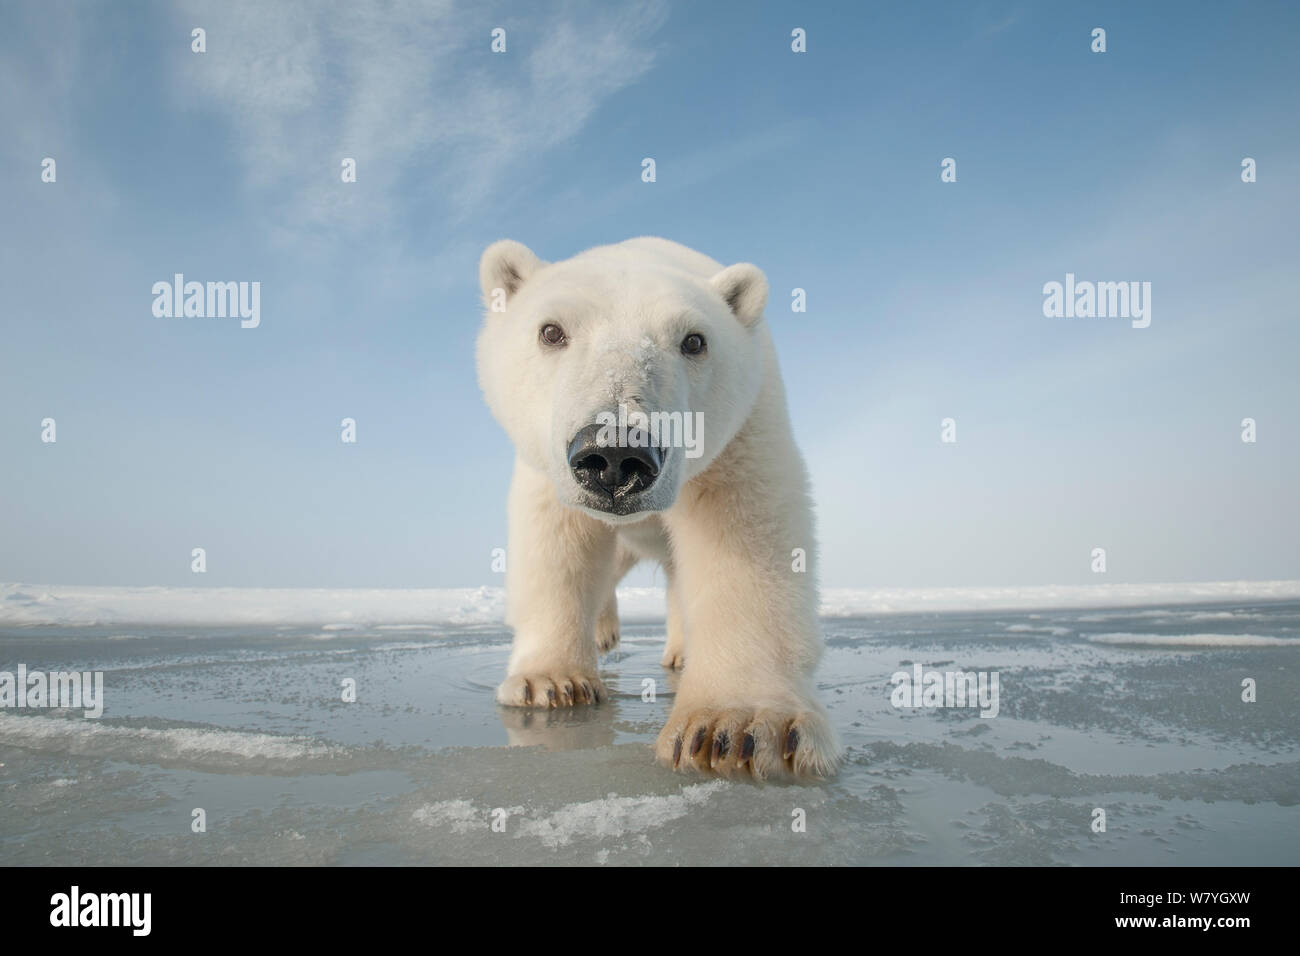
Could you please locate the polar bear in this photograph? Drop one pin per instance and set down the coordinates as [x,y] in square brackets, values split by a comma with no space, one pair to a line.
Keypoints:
[580,361]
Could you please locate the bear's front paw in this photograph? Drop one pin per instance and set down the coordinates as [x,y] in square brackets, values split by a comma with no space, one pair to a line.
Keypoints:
[763,743]
[551,690]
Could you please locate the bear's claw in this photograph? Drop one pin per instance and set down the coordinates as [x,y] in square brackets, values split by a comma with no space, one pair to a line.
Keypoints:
[541,690]
[747,748]
[770,743]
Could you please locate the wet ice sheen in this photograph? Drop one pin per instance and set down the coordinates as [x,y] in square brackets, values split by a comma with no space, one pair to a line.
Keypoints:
[1135,710]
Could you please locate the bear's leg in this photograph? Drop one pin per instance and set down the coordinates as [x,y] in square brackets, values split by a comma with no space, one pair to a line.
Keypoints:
[558,579]
[675,648]
[747,702]
[607,632]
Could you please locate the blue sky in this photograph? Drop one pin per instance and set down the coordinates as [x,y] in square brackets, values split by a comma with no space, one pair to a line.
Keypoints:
[924,298]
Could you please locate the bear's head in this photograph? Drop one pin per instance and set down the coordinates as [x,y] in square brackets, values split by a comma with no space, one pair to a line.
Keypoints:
[623,372]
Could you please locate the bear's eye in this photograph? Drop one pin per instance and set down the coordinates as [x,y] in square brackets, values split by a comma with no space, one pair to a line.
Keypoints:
[552,334]
[693,344]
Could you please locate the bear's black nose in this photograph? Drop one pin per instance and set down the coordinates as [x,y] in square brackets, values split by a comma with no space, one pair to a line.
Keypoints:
[617,469]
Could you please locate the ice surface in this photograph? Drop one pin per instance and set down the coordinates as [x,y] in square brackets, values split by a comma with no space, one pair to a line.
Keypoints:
[93,737]
[1108,707]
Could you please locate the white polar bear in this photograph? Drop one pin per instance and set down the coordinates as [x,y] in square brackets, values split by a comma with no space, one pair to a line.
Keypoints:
[658,338]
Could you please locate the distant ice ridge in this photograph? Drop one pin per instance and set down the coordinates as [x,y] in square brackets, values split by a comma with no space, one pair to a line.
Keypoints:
[1195,640]
[339,609]
[855,602]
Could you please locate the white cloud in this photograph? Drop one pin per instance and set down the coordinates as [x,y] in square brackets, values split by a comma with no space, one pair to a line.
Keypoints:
[409,89]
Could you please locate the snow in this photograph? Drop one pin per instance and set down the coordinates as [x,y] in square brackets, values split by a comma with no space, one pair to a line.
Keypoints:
[338,610]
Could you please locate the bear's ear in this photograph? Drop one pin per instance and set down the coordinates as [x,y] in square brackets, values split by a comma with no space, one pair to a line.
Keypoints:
[506,265]
[744,288]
